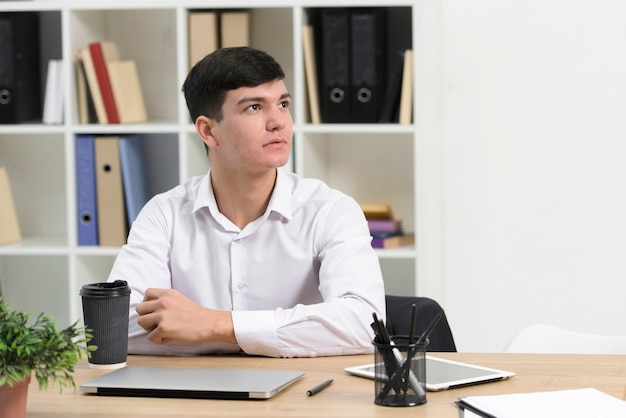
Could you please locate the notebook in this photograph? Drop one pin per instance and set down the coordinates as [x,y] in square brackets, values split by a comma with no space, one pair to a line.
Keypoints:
[206,383]
[572,403]
[442,374]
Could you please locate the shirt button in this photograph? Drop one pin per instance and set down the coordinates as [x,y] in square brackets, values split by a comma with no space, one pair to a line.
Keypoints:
[238,241]
[240,286]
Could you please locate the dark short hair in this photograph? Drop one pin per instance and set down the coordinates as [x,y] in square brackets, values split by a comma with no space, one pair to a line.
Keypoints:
[226,69]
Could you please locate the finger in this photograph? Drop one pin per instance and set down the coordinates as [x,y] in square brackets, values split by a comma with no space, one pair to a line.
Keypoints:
[148,322]
[144,308]
[156,337]
[152,294]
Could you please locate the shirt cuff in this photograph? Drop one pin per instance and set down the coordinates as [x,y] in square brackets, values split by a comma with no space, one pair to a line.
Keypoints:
[256,332]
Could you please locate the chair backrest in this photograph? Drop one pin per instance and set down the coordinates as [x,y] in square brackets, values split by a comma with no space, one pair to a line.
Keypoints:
[399,309]
[542,338]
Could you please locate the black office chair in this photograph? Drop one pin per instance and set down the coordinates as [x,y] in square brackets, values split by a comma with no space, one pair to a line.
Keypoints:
[399,310]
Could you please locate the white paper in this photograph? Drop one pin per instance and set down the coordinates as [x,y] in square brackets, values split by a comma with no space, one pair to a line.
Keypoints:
[576,403]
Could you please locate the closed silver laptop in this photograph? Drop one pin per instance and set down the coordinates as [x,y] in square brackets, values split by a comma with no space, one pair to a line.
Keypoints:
[208,383]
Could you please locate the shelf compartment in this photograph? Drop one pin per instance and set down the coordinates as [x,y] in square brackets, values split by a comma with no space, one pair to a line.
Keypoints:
[369,167]
[36,167]
[132,30]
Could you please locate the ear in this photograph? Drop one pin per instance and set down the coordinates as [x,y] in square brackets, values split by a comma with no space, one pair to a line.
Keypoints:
[204,127]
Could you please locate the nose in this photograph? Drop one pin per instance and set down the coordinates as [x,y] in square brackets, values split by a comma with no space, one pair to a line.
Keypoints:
[279,119]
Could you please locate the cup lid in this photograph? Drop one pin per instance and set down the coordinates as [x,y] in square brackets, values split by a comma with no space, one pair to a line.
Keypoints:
[106,289]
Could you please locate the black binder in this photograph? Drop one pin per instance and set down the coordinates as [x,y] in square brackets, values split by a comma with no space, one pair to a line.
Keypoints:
[335,49]
[20,93]
[367,29]
[391,101]
[399,33]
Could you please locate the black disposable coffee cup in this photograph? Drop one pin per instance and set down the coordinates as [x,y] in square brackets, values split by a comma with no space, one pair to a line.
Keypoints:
[105,313]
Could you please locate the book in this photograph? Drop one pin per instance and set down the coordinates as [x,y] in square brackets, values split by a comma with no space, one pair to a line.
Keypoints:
[376,210]
[84,101]
[81,91]
[134,175]
[406,94]
[112,228]
[93,86]
[9,226]
[20,92]
[393,241]
[572,403]
[234,29]
[100,60]
[203,35]
[388,234]
[310,71]
[127,91]
[53,97]
[86,204]
[384,225]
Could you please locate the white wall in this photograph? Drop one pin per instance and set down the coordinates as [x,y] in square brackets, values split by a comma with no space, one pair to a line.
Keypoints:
[534,177]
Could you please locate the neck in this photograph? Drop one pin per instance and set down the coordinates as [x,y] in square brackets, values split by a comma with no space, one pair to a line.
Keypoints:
[243,197]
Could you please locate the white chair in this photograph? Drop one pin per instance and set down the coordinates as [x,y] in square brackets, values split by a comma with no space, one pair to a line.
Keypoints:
[542,338]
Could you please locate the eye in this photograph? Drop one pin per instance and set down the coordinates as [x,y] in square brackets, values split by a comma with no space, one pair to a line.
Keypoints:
[285,104]
[254,107]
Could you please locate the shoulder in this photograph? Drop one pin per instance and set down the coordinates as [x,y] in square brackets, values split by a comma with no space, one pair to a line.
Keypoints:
[309,190]
[314,194]
[179,196]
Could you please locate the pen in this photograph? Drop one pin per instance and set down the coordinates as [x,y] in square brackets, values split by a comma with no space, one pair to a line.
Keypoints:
[319,387]
[413,318]
[429,329]
[393,361]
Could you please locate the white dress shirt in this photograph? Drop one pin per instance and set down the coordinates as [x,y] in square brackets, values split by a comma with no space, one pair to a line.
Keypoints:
[302,280]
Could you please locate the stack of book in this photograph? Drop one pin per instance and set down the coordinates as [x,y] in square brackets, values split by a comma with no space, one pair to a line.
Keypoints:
[386,231]
[107,88]
[210,30]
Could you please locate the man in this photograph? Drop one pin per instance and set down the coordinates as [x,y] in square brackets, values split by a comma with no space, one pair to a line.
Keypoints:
[249,257]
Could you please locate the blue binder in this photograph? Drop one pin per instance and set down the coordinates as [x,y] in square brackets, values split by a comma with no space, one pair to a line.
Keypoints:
[134,175]
[86,191]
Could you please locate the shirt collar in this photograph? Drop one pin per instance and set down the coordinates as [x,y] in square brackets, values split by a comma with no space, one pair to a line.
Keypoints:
[280,202]
[204,195]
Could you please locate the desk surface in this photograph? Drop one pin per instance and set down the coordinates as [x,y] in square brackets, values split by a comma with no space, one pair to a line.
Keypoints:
[347,396]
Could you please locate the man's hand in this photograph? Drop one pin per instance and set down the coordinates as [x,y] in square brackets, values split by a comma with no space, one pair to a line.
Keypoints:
[168,315]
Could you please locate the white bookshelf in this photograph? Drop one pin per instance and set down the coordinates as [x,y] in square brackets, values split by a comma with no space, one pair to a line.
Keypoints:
[396,163]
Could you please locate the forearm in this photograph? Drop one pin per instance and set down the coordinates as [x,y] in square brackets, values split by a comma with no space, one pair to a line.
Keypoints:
[336,327]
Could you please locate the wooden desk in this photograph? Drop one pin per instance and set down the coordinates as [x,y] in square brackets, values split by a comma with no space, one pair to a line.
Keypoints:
[348,396]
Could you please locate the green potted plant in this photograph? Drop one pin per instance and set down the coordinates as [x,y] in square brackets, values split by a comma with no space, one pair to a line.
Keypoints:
[38,346]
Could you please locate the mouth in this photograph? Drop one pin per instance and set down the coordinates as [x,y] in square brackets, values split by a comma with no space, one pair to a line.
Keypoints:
[276,143]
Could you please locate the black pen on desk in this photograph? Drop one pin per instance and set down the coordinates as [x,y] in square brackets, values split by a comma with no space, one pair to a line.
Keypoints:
[319,388]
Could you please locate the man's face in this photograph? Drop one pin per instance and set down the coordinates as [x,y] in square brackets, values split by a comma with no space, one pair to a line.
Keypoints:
[255,132]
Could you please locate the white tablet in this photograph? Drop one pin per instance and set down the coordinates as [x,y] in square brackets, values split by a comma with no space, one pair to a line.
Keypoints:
[442,374]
